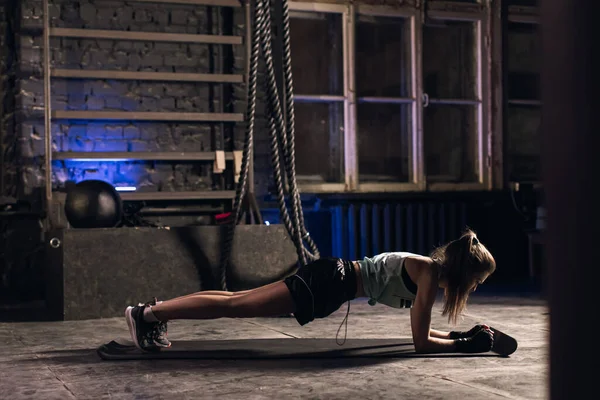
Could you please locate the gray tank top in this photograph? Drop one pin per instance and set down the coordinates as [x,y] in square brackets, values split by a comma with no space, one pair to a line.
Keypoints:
[383,282]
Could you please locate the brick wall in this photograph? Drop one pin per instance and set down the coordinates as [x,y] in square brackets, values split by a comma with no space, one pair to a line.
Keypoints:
[96,95]
[8,172]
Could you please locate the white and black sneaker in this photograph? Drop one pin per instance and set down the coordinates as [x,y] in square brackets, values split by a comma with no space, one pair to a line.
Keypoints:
[160,328]
[147,336]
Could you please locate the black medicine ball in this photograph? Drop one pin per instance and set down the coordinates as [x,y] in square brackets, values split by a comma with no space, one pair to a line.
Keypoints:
[93,204]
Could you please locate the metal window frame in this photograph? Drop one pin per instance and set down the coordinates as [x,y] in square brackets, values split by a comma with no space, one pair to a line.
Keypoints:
[351,182]
[480,14]
[482,21]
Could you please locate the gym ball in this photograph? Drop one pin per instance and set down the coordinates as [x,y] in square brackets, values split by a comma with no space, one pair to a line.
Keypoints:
[93,204]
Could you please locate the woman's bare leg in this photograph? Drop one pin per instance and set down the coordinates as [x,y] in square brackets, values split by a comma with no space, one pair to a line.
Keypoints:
[223,293]
[217,293]
[269,300]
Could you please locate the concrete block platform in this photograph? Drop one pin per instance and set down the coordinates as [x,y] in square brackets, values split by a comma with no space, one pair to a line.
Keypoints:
[57,360]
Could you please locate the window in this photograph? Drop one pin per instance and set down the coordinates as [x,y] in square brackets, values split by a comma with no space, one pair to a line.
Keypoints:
[318,70]
[385,100]
[523,106]
[452,115]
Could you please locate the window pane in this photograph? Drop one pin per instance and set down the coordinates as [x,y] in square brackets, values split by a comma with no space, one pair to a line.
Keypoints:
[319,142]
[523,62]
[383,57]
[450,140]
[523,145]
[383,137]
[317,51]
[450,59]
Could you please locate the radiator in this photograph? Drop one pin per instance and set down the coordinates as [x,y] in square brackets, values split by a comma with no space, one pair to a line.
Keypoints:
[366,229]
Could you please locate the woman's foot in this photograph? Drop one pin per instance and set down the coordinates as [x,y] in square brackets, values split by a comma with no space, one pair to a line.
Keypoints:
[147,336]
[160,329]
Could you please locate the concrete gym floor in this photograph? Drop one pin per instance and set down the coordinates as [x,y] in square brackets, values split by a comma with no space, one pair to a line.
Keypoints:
[58,360]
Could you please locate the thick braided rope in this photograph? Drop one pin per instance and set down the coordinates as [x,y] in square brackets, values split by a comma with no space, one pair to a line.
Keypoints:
[276,123]
[242,182]
[289,107]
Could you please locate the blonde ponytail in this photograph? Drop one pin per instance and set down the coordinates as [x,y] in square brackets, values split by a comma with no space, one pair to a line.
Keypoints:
[461,260]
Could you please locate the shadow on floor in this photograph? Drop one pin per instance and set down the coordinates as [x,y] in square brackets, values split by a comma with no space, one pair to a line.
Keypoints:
[89,357]
[263,354]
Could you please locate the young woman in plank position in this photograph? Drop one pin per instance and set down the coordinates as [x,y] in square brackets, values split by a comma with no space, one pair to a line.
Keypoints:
[396,279]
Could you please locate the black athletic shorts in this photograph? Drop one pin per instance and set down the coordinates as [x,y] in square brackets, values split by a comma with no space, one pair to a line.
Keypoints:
[321,287]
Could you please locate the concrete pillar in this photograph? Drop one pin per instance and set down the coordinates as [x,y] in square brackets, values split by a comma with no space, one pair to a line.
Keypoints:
[571,141]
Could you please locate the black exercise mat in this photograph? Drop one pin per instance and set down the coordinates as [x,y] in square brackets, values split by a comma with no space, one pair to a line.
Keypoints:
[261,349]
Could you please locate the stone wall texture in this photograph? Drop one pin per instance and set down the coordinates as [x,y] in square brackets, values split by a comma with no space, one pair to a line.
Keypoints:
[130,95]
[8,171]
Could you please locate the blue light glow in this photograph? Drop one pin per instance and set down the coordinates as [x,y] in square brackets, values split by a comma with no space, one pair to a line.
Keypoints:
[122,174]
[267,223]
[83,137]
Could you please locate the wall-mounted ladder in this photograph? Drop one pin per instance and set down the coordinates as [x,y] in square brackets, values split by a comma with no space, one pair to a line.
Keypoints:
[219,117]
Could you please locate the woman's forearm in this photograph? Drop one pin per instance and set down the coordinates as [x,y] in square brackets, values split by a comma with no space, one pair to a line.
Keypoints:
[439,334]
[436,345]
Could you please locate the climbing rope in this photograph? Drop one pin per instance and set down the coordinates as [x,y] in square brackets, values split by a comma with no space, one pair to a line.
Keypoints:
[280,133]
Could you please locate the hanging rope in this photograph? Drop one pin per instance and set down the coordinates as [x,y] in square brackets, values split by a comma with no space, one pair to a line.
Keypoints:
[279,133]
[243,179]
[289,103]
